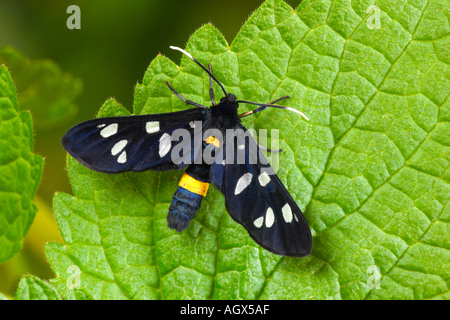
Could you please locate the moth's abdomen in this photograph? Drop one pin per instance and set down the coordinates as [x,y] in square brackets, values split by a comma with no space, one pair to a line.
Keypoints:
[185,202]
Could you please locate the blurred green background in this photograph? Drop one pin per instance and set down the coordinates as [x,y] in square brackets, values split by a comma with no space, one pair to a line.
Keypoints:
[110,54]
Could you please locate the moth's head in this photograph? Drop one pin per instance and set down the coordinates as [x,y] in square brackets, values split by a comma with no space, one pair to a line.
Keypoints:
[229,98]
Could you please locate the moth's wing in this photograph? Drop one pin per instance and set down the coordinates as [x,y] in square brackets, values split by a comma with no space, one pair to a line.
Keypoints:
[256,198]
[136,143]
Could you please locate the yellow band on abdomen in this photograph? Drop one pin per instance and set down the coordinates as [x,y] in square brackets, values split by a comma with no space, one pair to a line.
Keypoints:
[213,140]
[193,185]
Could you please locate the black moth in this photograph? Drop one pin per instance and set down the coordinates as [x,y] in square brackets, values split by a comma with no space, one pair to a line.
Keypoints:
[254,195]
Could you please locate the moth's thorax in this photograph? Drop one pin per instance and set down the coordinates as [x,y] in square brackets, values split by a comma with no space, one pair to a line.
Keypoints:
[225,113]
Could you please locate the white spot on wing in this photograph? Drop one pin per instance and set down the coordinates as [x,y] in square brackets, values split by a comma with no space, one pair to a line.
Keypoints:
[109,130]
[122,158]
[287,213]
[241,147]
[152,126]
[165,142]
[270,218]
[118,147]
[101,125]
[263,179]
[243,182]
[192,124]
[258,222]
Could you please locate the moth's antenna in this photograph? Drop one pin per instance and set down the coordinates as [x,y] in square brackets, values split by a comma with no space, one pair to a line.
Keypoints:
[264,105]
[202,66]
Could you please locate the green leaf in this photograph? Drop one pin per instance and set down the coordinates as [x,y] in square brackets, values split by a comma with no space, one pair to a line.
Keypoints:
[33,288]
[20,170]
[42,87]
[370,169]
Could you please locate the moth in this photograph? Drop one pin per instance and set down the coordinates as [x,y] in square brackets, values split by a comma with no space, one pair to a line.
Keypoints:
[254,195]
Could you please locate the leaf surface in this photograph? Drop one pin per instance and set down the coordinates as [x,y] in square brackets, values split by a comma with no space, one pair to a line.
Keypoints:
[42,88]
[33,288]
[370,169]
[20,170]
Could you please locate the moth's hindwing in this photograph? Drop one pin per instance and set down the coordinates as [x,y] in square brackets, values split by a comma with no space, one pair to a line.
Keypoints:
[256,198]
[134,143]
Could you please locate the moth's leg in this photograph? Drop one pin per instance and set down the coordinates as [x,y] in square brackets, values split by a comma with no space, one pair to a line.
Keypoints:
[261,108]
[211,90]
[183,98]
